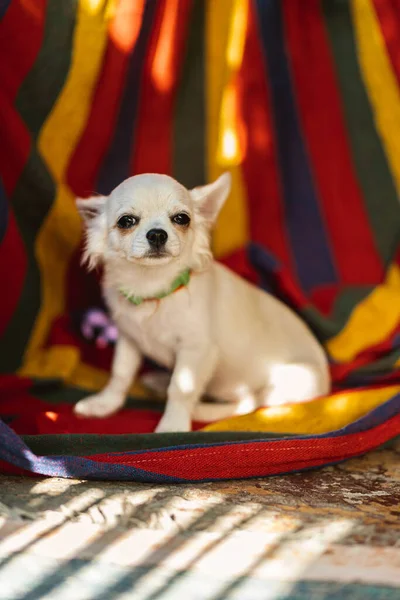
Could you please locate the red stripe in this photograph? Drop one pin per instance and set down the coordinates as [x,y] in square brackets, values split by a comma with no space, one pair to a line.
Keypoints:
[289,290]
[357,258]
[82,288]
[21,32]
[153,135]
[238,262]
[21,50]
[367,357]
[388,13]
[14,152]
[324,297]
[89,153]
[8,469]
[260,166]
[258,458]
[64,332]
[14,384]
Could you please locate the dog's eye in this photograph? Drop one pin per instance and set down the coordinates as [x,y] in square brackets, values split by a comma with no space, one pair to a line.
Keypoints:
[181,219]
[126,222]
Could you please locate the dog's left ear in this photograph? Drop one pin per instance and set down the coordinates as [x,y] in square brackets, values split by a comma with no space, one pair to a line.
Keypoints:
[210,198]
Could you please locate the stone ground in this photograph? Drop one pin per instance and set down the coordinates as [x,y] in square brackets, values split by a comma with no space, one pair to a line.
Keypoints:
[327,534]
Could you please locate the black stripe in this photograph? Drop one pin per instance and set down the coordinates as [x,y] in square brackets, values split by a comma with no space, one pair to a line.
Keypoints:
[370,162]
[35,191]
[189,144]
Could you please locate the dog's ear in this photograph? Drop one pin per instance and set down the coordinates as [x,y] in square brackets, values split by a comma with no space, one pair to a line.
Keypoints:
[90,208]
[210,198]
[92,211]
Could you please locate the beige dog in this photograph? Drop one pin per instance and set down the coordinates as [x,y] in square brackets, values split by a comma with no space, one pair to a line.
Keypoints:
[172,302]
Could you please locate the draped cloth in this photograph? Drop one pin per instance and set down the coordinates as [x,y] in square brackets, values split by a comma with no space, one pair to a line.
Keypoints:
[300,101]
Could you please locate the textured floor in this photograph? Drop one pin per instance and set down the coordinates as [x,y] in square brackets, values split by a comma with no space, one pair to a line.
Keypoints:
[328,534]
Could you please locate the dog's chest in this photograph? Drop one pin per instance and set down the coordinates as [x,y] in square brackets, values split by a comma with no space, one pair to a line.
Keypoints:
[155,329]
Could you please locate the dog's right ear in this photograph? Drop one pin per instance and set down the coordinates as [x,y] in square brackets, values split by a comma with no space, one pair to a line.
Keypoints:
[210,198]
[92,211]
[90,208]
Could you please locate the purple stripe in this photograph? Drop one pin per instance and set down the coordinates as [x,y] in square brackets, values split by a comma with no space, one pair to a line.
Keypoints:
[116,163]
[308,237]
[4,4]
[15,452]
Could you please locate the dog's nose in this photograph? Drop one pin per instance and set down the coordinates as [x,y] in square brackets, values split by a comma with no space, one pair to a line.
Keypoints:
[157,237]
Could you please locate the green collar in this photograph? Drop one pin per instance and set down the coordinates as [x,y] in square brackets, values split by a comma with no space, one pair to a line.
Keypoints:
[181,281]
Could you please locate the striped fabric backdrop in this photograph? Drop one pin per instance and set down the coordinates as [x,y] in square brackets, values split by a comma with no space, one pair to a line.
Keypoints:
[300,100]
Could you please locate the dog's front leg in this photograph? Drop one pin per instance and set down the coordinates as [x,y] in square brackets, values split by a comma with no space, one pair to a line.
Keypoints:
[194,368]
[126,363]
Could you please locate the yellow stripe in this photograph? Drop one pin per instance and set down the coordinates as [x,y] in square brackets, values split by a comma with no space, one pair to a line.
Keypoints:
[380,81]
[93,379]
[320,416]
[226,24]
[60,233]
[64,362]
[371,322]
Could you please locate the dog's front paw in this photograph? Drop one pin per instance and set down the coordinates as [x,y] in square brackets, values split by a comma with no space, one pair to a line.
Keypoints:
[98,406]
[169,424]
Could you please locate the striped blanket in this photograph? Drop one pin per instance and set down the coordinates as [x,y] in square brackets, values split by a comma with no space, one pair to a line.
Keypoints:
[301,102]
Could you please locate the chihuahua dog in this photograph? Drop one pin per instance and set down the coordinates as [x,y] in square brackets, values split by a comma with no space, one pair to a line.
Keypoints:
[220,336]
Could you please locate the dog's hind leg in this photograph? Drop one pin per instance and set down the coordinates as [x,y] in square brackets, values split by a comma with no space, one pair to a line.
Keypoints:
[294,382]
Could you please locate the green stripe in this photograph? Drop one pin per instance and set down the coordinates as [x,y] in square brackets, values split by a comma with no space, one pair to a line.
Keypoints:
[370,162]
[346,301]
[45,80]
[55,392]
[35,191]
[85,444]
[323,327]
[383,366]
[189,151]
[31,200]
